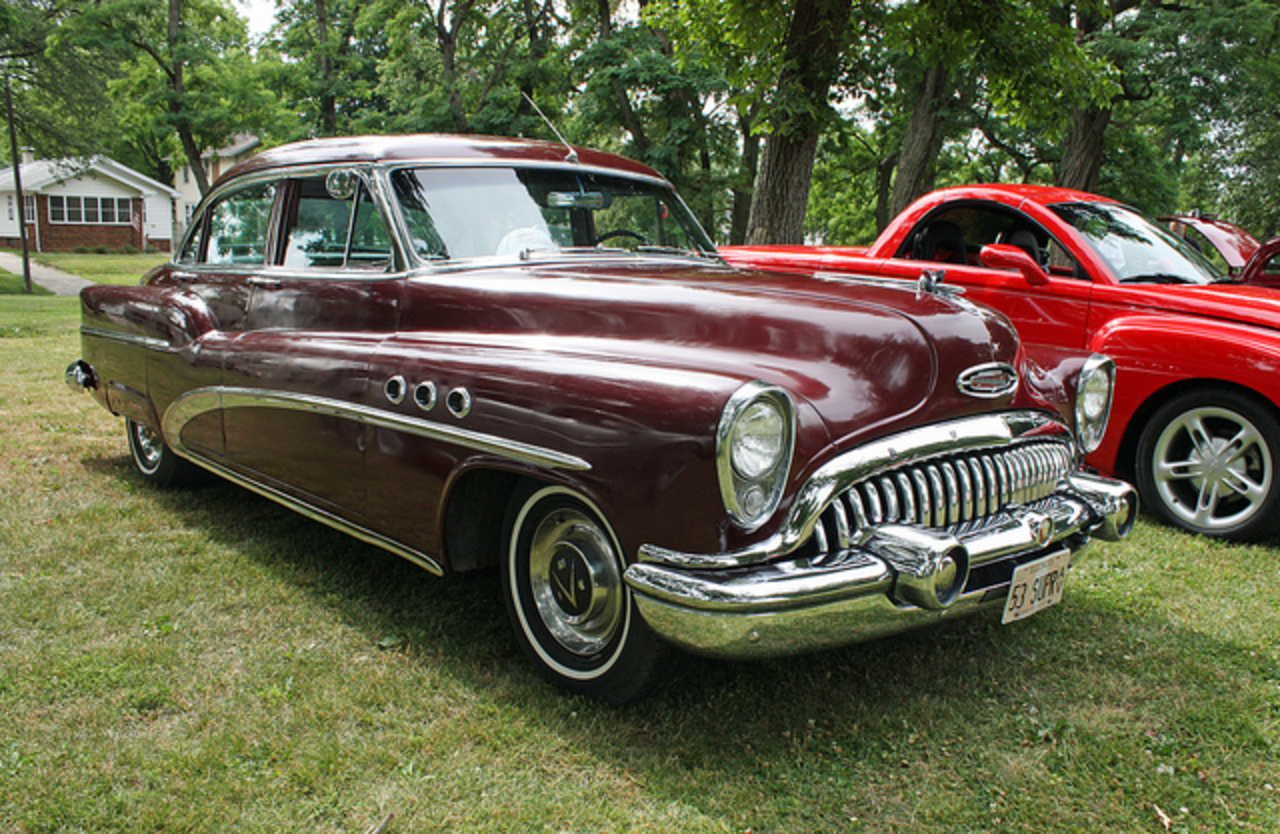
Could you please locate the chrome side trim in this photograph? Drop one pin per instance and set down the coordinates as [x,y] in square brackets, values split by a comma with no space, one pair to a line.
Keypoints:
[838,474]
[202,400]
[125,338]
[314,513]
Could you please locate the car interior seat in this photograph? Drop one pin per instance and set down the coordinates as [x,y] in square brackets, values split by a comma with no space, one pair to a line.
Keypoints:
[942,241]
[1024,239]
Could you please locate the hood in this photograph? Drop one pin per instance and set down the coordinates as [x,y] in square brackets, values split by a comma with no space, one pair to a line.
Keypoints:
[1254,305]
[866,355]
[1234,244]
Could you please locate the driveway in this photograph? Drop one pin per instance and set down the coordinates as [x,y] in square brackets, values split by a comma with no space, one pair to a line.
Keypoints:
[54,280]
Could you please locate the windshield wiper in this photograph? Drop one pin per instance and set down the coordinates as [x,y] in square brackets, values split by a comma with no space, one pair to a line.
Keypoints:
[674,250]
[1157,278]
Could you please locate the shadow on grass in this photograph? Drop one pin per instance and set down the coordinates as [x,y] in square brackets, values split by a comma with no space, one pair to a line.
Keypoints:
[953,697]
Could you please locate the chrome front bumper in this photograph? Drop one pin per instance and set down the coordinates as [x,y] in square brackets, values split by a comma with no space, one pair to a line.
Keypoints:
[892,577]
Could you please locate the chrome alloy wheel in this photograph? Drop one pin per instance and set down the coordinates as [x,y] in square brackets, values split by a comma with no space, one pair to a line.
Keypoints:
[1212,468]
[564,591]
[575,580]
[148,448]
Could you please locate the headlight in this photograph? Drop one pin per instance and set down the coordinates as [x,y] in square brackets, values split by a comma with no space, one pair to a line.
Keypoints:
[1093,400]
[754,444]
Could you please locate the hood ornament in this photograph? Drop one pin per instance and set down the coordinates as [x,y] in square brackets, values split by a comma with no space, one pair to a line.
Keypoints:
[930,283]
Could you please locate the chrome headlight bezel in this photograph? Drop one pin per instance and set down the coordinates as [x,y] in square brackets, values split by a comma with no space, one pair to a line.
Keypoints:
[1095,391]
[755,443]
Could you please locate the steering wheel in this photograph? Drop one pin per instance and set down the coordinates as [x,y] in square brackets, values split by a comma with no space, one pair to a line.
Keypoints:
[639,238]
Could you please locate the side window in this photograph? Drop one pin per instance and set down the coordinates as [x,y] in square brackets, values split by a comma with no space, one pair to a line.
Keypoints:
[238,226]
[329,231]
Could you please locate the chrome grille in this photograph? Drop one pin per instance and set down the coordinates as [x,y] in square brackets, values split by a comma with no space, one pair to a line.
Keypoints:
[945,492]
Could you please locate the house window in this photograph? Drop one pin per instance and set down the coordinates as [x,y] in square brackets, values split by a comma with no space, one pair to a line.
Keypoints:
[11,208]
[29,207]
[115,211]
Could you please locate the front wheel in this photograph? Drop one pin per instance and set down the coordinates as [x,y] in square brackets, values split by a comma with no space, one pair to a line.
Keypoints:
[1207,463]
[155,461]
[572,611]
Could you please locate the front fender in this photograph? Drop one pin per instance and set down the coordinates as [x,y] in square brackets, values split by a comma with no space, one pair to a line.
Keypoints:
[1153,352]
[639,437]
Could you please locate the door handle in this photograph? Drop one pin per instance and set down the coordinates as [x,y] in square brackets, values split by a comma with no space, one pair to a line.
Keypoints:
[264,283]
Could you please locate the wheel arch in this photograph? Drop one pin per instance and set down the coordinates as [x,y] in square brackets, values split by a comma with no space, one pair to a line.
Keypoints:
[474,514]
[1127,451]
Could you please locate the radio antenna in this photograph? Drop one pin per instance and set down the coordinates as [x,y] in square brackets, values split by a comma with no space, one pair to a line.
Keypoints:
[573,155]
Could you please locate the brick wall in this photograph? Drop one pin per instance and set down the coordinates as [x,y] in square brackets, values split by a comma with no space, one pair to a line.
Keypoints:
[65,237]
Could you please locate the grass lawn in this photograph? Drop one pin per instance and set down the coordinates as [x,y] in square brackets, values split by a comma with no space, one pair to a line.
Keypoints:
[102,269]
[204,660]
[11,284]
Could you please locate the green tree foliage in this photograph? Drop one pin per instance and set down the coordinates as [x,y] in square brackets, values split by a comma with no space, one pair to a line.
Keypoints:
[185,69]
[58,90]
[808,118]
[326,67]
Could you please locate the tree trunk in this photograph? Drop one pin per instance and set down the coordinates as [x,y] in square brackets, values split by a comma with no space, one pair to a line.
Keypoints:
[884,190]
[176,109]
[625,111]
[782,189]
[1082,152]
[328,102]
[741,211]
[811,61]
[920,141]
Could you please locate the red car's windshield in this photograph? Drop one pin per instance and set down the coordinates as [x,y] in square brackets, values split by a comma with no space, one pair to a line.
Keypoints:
[1137,250]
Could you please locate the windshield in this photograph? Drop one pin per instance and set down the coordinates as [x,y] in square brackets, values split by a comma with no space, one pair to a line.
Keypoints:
[1136,249]
[515,213]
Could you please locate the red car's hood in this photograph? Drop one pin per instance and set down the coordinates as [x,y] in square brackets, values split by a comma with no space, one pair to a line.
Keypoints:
[1255,305]
[1234,244]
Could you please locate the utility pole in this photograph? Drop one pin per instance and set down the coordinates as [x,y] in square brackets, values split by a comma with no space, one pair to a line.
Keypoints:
[17,184]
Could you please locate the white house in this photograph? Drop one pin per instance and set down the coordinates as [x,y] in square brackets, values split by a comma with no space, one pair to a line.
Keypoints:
[94,202]
[216,163]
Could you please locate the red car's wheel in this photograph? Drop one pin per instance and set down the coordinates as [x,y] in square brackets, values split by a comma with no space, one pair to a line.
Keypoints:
[572,611]
[1207,463]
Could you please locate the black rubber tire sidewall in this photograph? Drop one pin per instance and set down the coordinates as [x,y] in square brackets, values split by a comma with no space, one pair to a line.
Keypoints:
[627,669]
[1266,522]
[169,471]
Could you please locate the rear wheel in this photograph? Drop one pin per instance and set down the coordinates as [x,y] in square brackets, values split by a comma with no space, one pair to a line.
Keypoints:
[154,460]
[571,609]
[1207,463]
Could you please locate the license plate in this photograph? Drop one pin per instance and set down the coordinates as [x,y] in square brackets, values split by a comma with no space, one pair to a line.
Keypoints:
[1036,586]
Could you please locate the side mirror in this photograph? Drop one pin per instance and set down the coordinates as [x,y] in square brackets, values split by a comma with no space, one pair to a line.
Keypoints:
[1004,256]
[1262,266]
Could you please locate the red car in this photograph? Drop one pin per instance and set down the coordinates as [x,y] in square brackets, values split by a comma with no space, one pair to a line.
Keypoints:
[500,353]
[1231,248]
[1196,418]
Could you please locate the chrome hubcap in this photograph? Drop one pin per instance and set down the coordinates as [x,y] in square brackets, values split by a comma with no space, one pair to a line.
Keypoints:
[576,582]
[148,445]
[1212,468]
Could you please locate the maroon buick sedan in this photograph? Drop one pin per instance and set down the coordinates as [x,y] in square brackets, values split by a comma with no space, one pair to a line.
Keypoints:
[479,352]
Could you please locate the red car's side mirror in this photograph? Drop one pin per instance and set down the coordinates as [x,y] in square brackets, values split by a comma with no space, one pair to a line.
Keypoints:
[1004,256]
[1262,265]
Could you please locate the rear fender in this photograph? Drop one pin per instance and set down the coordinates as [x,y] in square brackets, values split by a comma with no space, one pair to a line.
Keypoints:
[123,328]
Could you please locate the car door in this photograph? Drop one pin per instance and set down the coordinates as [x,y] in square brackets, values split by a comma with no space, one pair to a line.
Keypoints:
[1053,313]
[295,382]
[211,277]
